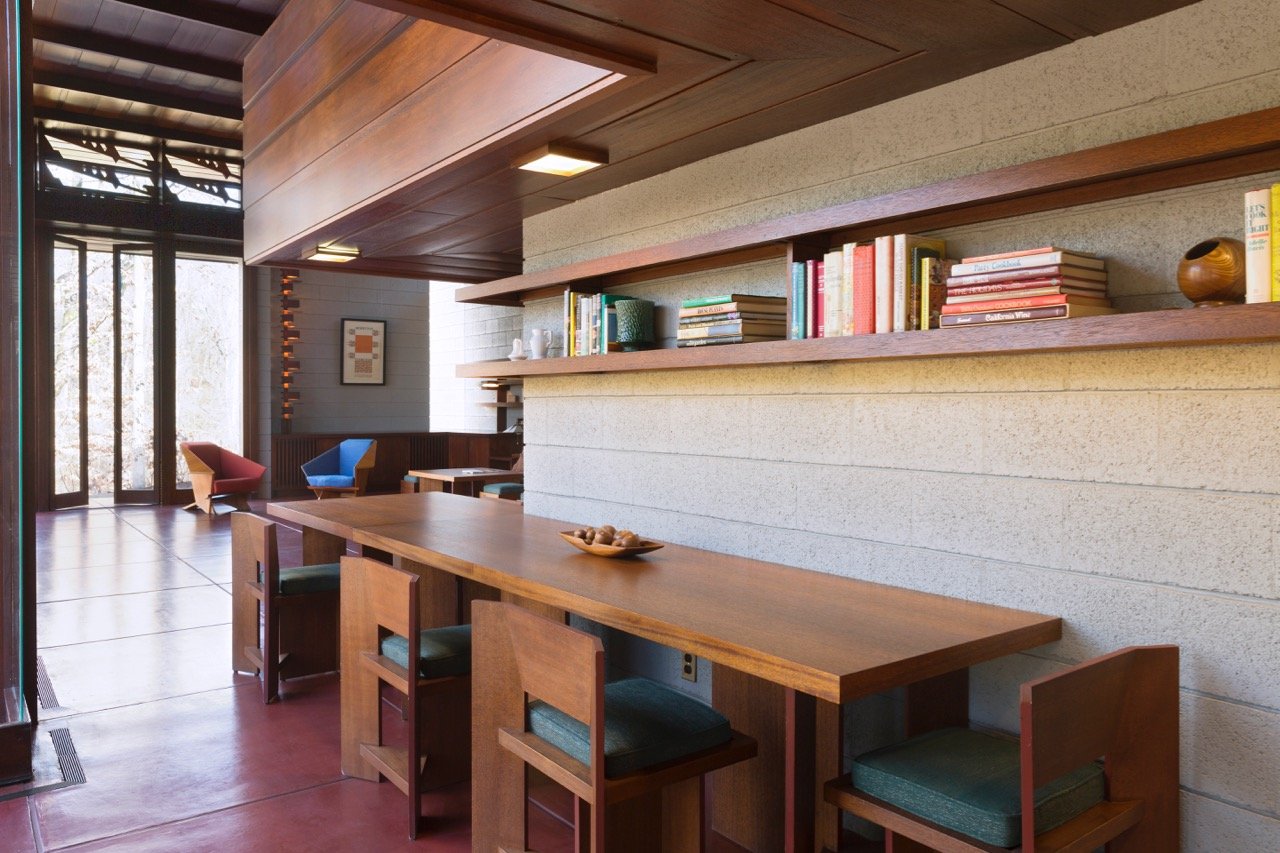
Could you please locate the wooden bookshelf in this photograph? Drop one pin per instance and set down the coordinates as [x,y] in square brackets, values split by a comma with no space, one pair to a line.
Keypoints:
[1218,150]
[1234,324]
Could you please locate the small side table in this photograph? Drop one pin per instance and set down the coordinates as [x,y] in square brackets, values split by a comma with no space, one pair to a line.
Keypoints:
[462,481]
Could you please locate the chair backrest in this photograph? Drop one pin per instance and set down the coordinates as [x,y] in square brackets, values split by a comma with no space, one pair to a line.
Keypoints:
[562,666]
[254,551]
[390,596]
[233,465]
[1122,706]
[325,463]
[205,452]
[517,467]
[352,451]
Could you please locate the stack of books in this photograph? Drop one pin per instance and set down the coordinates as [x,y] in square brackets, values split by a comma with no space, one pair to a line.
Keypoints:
[1031,284]
[731,319]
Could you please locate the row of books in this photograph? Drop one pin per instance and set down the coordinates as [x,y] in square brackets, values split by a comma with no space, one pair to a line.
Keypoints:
[871,287]
[735,318]
[591,322]
[1044,283]
[1262,244]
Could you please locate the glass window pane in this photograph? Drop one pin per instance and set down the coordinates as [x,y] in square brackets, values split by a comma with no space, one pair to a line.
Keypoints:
[137,373]
[101,377]
[66,370]
[209,357]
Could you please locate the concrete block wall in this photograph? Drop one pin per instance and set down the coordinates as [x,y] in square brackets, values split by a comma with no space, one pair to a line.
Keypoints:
[1136,494]
[462,333]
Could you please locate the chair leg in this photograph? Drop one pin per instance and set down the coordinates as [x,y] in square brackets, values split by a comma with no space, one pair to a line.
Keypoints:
[270,651]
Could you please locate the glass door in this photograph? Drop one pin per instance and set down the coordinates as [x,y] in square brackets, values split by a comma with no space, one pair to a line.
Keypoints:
[136,449]
[70,369]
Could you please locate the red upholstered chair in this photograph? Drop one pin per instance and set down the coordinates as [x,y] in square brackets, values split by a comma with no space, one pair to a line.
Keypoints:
[218,473]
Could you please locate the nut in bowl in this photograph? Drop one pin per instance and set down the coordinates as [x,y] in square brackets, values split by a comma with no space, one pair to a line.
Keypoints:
[606,541]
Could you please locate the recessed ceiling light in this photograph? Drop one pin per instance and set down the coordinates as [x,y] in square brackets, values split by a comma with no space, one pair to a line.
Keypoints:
[562,160]
[332,254]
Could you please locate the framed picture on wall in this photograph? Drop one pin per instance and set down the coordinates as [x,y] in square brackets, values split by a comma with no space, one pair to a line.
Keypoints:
[364,348]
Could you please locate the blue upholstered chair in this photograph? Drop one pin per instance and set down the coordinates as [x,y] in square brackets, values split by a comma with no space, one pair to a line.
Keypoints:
[284,622]
[436,688]
[955,789]
[341,470]
[611,744]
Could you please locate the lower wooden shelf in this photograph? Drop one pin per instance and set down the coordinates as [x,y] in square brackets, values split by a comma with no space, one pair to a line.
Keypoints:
[1232,324]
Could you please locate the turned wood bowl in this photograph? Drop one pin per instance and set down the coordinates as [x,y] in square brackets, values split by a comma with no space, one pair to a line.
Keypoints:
[1212,272]
[644,547]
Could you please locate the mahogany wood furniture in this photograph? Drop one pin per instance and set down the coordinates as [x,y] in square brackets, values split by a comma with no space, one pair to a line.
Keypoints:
[342,470]
[437,707]
[460,480]
[218,473]
[648,804]
[1122,707]
[297,609]
[815,640]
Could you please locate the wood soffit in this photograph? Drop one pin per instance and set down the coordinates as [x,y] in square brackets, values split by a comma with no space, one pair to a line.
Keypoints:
[693,78]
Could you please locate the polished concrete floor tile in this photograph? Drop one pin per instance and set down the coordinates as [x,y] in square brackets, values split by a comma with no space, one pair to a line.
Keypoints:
[15,827]
[68,536]
[88,555]
[216,567]
[89,620]
[89,676]
[168,760]
[67,584]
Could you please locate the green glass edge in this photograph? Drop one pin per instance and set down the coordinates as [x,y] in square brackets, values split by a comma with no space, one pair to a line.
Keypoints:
[19,186]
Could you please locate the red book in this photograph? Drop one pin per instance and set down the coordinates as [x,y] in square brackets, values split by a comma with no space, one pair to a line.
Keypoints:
[1024,302]
[864,289]
[1063,270]
[1062,284]
[820,305]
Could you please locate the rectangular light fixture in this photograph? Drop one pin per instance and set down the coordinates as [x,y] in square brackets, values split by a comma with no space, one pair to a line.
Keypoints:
[562,160]
[332,254]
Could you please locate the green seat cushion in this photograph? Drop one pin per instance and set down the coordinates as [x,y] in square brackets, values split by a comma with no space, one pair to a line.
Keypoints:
[409,478]
[505,489]
[303,579]
[968,781]
[442,652]
[646,723]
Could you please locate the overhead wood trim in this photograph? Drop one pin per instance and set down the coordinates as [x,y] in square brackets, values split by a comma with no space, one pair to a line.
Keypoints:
[124,48]
[213,14]
[143,94]
[517,33]
[159,130]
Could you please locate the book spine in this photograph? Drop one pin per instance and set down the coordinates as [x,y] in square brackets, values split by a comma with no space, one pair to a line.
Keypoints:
[1257,245]
[1275,242]
[820,303]
[810,297]
[928,274]
[921,249]
[1025,284]
[1026,261]
[706,300]
[900,277]
[564,320]
[846,289]
[1039,250]
[884,285]
[864,289]
[739,328]
[833,278]
[980,317]
[1009,304]
[797,301]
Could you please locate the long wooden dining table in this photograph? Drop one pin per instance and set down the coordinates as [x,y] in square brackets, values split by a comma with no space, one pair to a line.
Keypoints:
[789,645]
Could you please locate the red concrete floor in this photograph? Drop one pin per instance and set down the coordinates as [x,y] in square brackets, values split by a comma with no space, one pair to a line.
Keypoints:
[179,753]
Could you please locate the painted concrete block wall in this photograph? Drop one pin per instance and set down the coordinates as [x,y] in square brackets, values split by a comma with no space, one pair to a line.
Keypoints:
[461,333]
[1136,494]
[327,406]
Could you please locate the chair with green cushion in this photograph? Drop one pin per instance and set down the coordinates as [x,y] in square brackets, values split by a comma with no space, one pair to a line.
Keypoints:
[284,622]
[507,491]
[633,752]
[437,691]
[1096,764]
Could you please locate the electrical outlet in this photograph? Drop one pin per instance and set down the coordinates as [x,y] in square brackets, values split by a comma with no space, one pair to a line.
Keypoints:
[689,667]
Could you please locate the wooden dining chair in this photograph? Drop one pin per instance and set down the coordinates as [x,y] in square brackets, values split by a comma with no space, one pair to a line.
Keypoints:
[436,692]
[632,752]
[284,622]
[960,791]
[507,490]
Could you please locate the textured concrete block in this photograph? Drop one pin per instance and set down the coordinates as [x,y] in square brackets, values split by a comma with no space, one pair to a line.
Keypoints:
[939,432]
[570,422]
[1210,826]
[1200,53]
[1235,367]
[1194,539]
[1231,752]
[992,517]
[813,429]
[856,503]
[1220,440]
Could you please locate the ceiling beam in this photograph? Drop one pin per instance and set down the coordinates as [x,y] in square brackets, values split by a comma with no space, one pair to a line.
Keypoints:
[143,94]
[123,48]
[158,130]
[216,15]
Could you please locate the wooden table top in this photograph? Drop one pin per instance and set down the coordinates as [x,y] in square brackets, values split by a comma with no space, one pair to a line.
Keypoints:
[452,475]
[830,636]
[342,516]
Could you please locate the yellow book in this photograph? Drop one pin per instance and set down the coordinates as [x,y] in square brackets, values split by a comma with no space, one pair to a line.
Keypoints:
[1275,243]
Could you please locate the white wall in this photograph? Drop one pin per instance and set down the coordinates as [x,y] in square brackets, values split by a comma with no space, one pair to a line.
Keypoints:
[462,333]
[1136,494]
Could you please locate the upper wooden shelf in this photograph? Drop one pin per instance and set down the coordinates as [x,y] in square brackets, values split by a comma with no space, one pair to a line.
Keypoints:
[1234,324]
[1217,150]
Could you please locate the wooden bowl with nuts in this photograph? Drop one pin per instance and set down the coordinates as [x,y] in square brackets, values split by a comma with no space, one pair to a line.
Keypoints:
[608,541]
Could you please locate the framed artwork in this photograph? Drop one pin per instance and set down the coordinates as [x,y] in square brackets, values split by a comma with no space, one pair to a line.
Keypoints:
[364,347]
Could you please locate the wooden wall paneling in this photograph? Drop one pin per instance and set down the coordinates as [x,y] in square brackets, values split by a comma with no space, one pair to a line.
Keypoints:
[296,23]
[456,116]
[345,41]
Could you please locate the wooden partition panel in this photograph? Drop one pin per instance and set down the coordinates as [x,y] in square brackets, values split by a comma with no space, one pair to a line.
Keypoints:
[346,103]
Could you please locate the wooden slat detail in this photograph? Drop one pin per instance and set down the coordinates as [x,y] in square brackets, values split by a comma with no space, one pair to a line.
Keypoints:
[296,24]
